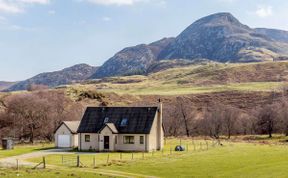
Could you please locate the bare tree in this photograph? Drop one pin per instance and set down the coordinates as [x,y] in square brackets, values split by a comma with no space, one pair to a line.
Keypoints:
[187,112]
[229,118]
[35,115]
[267,119]
[212,121]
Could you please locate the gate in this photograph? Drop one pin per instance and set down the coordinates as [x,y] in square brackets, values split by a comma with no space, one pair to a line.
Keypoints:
[71,160]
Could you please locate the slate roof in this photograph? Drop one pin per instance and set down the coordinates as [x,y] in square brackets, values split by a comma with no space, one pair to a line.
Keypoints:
[140,119]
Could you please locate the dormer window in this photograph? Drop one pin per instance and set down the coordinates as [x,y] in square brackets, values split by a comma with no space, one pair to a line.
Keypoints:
[106,120]
[124,122]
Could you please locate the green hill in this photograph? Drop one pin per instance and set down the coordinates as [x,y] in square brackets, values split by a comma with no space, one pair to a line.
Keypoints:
[197,78]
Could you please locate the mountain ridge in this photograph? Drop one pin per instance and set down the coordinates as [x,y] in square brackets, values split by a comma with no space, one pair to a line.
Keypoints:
[218,37]
[76,73]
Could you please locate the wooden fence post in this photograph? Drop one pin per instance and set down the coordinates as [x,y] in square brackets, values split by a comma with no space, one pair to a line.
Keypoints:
[206,144]
[62,159]
[120,156]
[44,162]
[17,164]
[107,158]
[78,161]
[142,155]
[132,156]
[94,162]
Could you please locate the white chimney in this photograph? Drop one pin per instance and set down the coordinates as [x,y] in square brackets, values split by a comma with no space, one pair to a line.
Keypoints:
[160,132]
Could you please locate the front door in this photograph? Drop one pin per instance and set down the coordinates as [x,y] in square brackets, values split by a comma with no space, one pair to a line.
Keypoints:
[106,142]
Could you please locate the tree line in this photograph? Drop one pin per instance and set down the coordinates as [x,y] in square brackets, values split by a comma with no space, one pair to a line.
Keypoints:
[216,119]
[35,115]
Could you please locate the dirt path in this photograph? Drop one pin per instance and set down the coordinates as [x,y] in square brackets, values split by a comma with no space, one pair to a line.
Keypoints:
[12,162]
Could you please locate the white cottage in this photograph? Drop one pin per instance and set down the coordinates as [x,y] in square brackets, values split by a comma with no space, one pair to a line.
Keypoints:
[121,129]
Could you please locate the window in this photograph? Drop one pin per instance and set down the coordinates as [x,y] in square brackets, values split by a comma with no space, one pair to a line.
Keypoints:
[87,138]
[124,122]
[141,139]
[128,139]
[106,120]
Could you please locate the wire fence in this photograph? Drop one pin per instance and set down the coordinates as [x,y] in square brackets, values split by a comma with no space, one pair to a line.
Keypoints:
[97,160]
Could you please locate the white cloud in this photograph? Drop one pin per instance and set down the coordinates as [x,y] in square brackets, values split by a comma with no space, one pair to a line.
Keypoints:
[18,6]
[35,1]
[106,19]
[264,11]
[9,7]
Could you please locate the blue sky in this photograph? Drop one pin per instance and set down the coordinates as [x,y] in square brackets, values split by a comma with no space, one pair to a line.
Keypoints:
[47,35]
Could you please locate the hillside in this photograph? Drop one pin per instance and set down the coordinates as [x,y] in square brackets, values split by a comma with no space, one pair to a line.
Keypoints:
[132,60]
[218,37]
[69,75]
[221,37]
[197,78]
[4,85]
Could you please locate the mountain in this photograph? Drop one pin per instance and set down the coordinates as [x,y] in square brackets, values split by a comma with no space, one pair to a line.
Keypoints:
[69,75]
[218,37]
[221,37]
[132,60]
[4,85]
[278,35]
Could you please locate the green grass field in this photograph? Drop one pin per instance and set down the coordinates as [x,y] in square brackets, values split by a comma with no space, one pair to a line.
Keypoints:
[48,173]
[233,159]
[22,149]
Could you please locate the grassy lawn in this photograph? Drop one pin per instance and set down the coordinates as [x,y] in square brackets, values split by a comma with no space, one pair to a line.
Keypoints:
[233,159]
[22,149]
[48,173]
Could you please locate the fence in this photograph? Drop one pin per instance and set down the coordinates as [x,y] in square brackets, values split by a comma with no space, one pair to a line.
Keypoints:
[96,160]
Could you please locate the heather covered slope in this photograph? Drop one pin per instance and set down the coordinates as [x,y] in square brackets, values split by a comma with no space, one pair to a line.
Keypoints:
[69,75]
[197,78]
